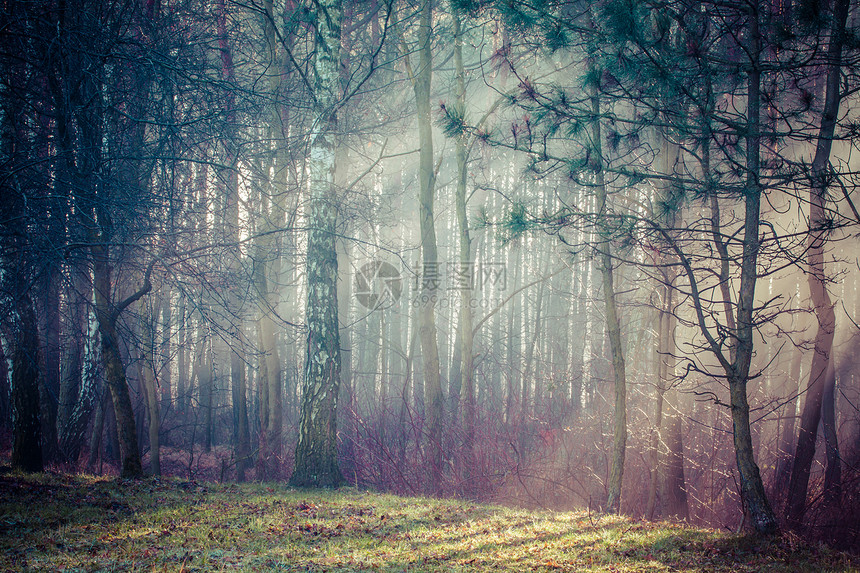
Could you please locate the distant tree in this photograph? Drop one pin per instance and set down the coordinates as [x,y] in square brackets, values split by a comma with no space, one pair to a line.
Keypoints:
[433,401]
[669,76]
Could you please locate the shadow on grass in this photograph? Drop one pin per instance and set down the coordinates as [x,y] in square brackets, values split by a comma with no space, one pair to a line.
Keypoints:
[55,522]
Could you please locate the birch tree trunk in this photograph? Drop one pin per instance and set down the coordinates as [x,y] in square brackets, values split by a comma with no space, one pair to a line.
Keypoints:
[316,463]
[78,383]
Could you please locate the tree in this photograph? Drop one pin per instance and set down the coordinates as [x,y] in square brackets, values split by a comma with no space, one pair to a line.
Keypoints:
[316,452]
[229,181]
[821,376]
[433,400]
[613,327]
[19,333]
[465,332]
[635,84]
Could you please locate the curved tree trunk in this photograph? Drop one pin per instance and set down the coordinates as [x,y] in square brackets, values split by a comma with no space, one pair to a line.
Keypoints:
[833,472]
[114,368]
[817,277]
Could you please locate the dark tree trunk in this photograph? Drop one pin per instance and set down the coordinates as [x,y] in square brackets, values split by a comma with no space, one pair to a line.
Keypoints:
[49,388]
[114,368]
[754,498]
[833,471]
[819,223]
[675,485]
[26,426]
[95,441]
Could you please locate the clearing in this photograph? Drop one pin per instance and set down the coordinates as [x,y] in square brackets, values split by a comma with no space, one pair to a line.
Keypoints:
[58,522]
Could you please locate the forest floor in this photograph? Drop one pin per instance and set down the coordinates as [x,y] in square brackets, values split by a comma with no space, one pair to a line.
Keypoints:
[59,522]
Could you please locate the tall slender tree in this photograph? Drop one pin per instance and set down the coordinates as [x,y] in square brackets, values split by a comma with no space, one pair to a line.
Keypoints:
[820,224]
[433,400]
[316,462]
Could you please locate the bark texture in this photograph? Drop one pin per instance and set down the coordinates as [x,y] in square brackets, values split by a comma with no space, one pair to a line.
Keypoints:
[316,451]
[752,490]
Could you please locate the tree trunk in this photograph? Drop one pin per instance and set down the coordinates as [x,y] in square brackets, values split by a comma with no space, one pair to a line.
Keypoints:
[229,180]
[819,222]
[49,387]
[182,353]
[270,398]
[785,451]
[675,487]
[660,391]
[164,379]
[114,369]
[316,462]
[671,475]
[77,384]
[433,400]
[348,426]
[25,350]
[613,326]
[833,472]
[150,387]
[466,270]
[752,489]
[95,441]
[206,389]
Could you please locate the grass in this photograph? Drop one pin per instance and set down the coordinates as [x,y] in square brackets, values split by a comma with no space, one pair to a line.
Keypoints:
[55,522]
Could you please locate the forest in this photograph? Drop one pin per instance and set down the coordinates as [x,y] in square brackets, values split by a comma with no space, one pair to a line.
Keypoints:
[549,254]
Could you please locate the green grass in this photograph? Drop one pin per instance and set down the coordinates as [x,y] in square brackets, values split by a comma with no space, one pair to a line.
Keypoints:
[51,522]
